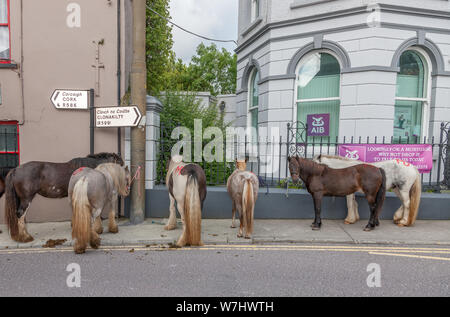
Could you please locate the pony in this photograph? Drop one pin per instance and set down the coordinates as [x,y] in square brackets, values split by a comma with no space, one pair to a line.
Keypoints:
[90,192]
[243,189]
[3,172]
[47,179]
[187,186]
[403,178]
[321,180]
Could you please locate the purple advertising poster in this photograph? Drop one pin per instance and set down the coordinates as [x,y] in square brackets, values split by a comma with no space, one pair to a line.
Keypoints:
[318,124]
[419,155]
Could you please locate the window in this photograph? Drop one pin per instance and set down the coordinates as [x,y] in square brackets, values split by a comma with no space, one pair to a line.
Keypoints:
[9,144]
[5,43]
[255,10]
[318,90]
[253,103]
[411,102]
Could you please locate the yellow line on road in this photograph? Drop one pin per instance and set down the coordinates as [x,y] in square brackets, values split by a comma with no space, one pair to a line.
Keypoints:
[412,256]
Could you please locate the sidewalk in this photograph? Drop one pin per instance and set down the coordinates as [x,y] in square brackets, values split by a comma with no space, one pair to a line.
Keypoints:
[425,232]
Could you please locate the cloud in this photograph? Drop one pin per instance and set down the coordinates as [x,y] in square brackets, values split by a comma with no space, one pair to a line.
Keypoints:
[211,18]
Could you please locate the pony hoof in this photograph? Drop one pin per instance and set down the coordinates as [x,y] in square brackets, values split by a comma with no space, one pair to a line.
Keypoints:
[401,225]
[170,227]
[232,226]
[95,244]
[24,239]
[114,230]
[239,235]
[368,228]
[99,231]
[79,251]
[247,237]
[315,226]
[349,222]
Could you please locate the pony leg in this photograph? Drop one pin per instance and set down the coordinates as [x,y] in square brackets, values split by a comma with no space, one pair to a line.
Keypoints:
[98,226]
[233,216]
[23,236]
[352,213]
[182,240]
[399,213]
[242,224]
[112,225]
[94,238]
[373,219]
[404,195]
[317,208]
[172,223]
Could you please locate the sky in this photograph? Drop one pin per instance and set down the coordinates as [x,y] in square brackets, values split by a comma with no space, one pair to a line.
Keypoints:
[211,18]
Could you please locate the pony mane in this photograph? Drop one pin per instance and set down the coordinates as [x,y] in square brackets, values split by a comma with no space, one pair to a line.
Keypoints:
[117,173]
[336,157]
[310,165]
[105,156]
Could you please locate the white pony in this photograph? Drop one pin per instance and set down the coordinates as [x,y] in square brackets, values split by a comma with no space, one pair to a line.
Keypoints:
[403,178]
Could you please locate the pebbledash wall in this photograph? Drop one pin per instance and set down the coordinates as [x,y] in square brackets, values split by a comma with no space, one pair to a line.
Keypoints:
[53,45]
[290,43]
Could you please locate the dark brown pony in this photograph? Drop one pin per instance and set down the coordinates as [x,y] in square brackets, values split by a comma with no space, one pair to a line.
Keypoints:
[320,180]
[47,179]
[3,172]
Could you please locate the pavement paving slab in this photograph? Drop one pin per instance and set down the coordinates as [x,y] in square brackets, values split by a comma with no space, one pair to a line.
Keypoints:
[219,231]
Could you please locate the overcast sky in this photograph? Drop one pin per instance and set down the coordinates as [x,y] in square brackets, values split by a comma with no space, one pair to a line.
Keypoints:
[211,18]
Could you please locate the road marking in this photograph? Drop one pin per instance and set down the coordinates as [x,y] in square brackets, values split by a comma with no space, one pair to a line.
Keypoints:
[412,256]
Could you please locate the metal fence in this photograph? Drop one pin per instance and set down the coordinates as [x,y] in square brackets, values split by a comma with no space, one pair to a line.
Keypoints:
[9,151]
[268,156]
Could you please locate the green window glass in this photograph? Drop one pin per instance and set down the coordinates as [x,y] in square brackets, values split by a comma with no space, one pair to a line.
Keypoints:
[254,103]
[318,88]
[410,98]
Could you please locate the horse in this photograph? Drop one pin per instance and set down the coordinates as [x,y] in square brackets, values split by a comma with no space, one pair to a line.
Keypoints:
[321,180]
[402,177]
[243,189]
[3,172]
[92,191]
[187,186]
[47,179]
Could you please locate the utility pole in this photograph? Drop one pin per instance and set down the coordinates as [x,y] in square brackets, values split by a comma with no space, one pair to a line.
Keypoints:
[138,98]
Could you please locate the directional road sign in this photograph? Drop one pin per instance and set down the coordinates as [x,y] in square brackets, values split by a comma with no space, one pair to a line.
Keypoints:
[114,117]
[70,99]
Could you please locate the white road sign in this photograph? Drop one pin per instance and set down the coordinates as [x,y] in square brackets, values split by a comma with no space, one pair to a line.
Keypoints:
[70,99]
[114,117]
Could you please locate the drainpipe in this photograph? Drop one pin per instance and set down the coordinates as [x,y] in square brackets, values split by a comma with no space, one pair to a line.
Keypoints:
[119,87]
[22,89]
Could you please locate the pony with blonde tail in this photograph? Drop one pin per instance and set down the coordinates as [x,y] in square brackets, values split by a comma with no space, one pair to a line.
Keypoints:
[92,192]
[187,186]
[243,189]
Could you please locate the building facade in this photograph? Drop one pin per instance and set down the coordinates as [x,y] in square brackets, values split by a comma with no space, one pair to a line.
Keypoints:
[375,68]
[58,44]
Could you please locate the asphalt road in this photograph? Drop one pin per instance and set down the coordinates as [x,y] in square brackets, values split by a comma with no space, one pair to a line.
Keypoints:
[233,270]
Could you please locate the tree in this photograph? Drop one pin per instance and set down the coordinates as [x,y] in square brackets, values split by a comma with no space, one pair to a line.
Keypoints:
[159,45]
[213,70]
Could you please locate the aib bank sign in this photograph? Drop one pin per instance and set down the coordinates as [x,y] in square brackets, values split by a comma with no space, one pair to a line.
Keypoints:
[318,124]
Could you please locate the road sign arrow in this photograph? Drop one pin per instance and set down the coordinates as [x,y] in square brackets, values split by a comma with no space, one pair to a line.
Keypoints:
[114,117]
[70,99]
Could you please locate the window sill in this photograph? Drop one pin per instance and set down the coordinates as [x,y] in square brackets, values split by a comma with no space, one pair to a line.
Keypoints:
[8,65]
[306,3]
[251,27]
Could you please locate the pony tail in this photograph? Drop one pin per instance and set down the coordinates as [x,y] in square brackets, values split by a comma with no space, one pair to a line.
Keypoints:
[81,216]
[193,212]
[414,200]
[248,206]
[11,202]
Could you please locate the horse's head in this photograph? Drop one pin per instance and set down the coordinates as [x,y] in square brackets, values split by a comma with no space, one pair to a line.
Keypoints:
[241,164]
[294,168]
[128,181]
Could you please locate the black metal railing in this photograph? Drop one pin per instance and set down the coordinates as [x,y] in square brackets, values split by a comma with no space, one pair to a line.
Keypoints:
[268,156]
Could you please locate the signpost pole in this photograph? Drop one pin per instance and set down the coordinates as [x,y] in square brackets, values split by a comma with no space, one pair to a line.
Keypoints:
[138,97]
[92,120]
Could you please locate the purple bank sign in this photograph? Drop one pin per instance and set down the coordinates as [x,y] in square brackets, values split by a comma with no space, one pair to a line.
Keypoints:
[419,155]
[318,124]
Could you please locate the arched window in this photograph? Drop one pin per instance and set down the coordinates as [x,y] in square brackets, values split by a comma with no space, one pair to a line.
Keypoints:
[412,97]
[318,91]
[253,103]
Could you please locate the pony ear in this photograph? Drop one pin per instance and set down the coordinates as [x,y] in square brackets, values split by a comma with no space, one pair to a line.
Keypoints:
[289,159]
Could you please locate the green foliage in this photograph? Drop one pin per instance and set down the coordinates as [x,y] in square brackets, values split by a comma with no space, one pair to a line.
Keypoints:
[284,182]
[210,70]
[180,110]
[159,45]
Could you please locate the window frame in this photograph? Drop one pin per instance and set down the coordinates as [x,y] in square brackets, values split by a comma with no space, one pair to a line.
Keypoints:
[255,8]
[297,79]
[8,25]
[17,152]
[250,107]
[427,86]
